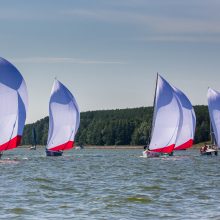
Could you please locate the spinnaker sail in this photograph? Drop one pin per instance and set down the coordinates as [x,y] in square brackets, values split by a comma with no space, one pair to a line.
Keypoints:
[64,118]
[14,104]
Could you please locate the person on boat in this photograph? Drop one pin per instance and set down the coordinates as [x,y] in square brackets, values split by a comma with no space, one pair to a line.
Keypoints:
[202,149]
[146,147]
[146,150]
[171,153]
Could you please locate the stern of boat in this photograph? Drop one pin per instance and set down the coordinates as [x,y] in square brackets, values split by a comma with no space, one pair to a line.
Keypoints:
[51,153]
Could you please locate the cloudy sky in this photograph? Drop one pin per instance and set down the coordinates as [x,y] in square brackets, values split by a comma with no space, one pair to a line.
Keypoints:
[107,52]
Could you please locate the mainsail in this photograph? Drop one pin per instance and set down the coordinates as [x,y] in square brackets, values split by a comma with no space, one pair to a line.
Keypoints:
[13,102]
[166,118]
[64,118]
[214,112]
[187,124]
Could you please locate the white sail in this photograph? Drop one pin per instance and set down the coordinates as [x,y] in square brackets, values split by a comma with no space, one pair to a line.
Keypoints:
[166,118]
[214,112]
[13,102]
[64,118]
[187,124]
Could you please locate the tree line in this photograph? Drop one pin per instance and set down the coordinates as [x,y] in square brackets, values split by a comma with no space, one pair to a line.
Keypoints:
[116,127]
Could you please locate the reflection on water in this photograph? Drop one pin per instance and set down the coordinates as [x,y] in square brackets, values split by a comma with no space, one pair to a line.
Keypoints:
[108,184]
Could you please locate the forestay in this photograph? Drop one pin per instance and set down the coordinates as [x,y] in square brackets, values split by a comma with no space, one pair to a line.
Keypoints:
[214,112]
[166,118]
[64,118]
[187,124]
[13,102]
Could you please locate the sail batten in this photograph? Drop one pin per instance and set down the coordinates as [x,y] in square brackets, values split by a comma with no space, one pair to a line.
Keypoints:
[64,118]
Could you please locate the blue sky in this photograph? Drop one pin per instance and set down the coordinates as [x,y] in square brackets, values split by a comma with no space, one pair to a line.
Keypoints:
[108,52]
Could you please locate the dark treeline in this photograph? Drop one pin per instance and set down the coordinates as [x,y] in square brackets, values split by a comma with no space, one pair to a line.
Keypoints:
[116,127]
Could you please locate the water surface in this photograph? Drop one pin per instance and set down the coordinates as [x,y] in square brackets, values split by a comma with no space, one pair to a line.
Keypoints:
[109,184]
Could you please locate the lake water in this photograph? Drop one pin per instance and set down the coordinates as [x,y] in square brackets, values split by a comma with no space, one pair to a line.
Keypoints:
[109,184]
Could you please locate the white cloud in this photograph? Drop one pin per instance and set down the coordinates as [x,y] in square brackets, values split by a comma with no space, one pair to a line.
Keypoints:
[181,38]
[54,60]
[157,23]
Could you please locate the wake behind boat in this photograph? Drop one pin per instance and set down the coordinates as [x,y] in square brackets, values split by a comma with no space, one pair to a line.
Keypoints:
[64,120]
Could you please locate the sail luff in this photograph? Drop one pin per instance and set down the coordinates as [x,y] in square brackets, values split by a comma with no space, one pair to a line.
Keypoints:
[153,120]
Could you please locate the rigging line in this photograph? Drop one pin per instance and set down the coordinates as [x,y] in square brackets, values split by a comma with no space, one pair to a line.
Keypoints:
[12,131]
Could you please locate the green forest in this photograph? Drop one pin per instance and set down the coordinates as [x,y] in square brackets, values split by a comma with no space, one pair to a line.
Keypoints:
[116,127]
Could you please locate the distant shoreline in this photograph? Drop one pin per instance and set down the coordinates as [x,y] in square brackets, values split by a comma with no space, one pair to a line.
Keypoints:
[119,147]
[97,147]
[114,147]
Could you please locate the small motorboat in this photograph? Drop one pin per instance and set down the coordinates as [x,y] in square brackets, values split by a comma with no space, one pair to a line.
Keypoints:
[209,150]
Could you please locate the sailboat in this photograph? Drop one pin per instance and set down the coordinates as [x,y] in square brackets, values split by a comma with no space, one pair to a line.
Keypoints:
[166,120]
[64,120]
[187,124]
[34,140]
[214,114]
[13,102]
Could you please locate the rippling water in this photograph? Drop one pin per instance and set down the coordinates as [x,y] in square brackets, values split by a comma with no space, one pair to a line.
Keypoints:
[109,184]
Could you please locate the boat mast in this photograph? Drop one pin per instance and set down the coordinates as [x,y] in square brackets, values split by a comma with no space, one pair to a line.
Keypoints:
[212,135]
[213,141]
[210,130]
[153,120]
[34,137]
